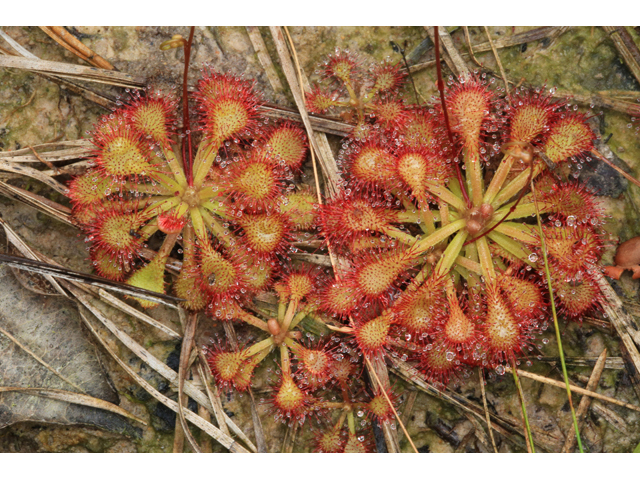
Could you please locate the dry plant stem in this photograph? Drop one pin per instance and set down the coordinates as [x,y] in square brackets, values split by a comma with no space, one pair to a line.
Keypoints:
[634,375]
[486,409]
[185,352]
[319,123]
[543,248]
[93,57]
[178,430]
[495,54]
[612,363]
[382,389]
[72,397]
[78,72]
[500,425]
[525,418]
[616,168]
[39,360]
[524,37]
[77,168]
[103,101]
[310,134]
[466,36]
[261,443]
[263,56]
[72,149]
[124,307]
[205,443]
[408,409]
[585,402]
[208,428]
[33,173]
[135,347]
[575,389]
[47,163]
[225,423]
[75,46]
[623,323]
[379,376]
[328,164]
[507,41]
[214,398]
[611,417]
[28,253]
[602,101]
[626,47]
[144,355]
[289,439]
[451,55]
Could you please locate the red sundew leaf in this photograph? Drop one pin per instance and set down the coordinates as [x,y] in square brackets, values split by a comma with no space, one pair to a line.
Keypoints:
[387,77]
[229,106]
[347,218]
[568,137]
[121,152]
[376,276]
[88,189]
[573,203]
[320,102]
[299,283]
[329,442]
[577,297]
[390,114]
[301,209]
[504,335]
[343,66]
[266,233]
[531,116]
[437,362]
[470,103]
[572,250]
[525,297]
[286,145]
[291,401]
[372,165]
[420,311]
[254,182]
[372,335]
[220,276]
[153,116]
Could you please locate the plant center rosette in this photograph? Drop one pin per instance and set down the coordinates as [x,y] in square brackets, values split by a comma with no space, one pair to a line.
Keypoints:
[228,212]
[438,222]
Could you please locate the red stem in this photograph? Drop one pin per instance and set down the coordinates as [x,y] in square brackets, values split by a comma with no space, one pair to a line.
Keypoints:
[436,41]
[187,150]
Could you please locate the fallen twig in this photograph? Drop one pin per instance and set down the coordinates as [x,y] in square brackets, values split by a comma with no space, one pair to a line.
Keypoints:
[574,389]
[73,397]
[75,46]
[78,72]
[585,401]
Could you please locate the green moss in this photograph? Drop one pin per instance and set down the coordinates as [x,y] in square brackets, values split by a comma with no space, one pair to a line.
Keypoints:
[121,36]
